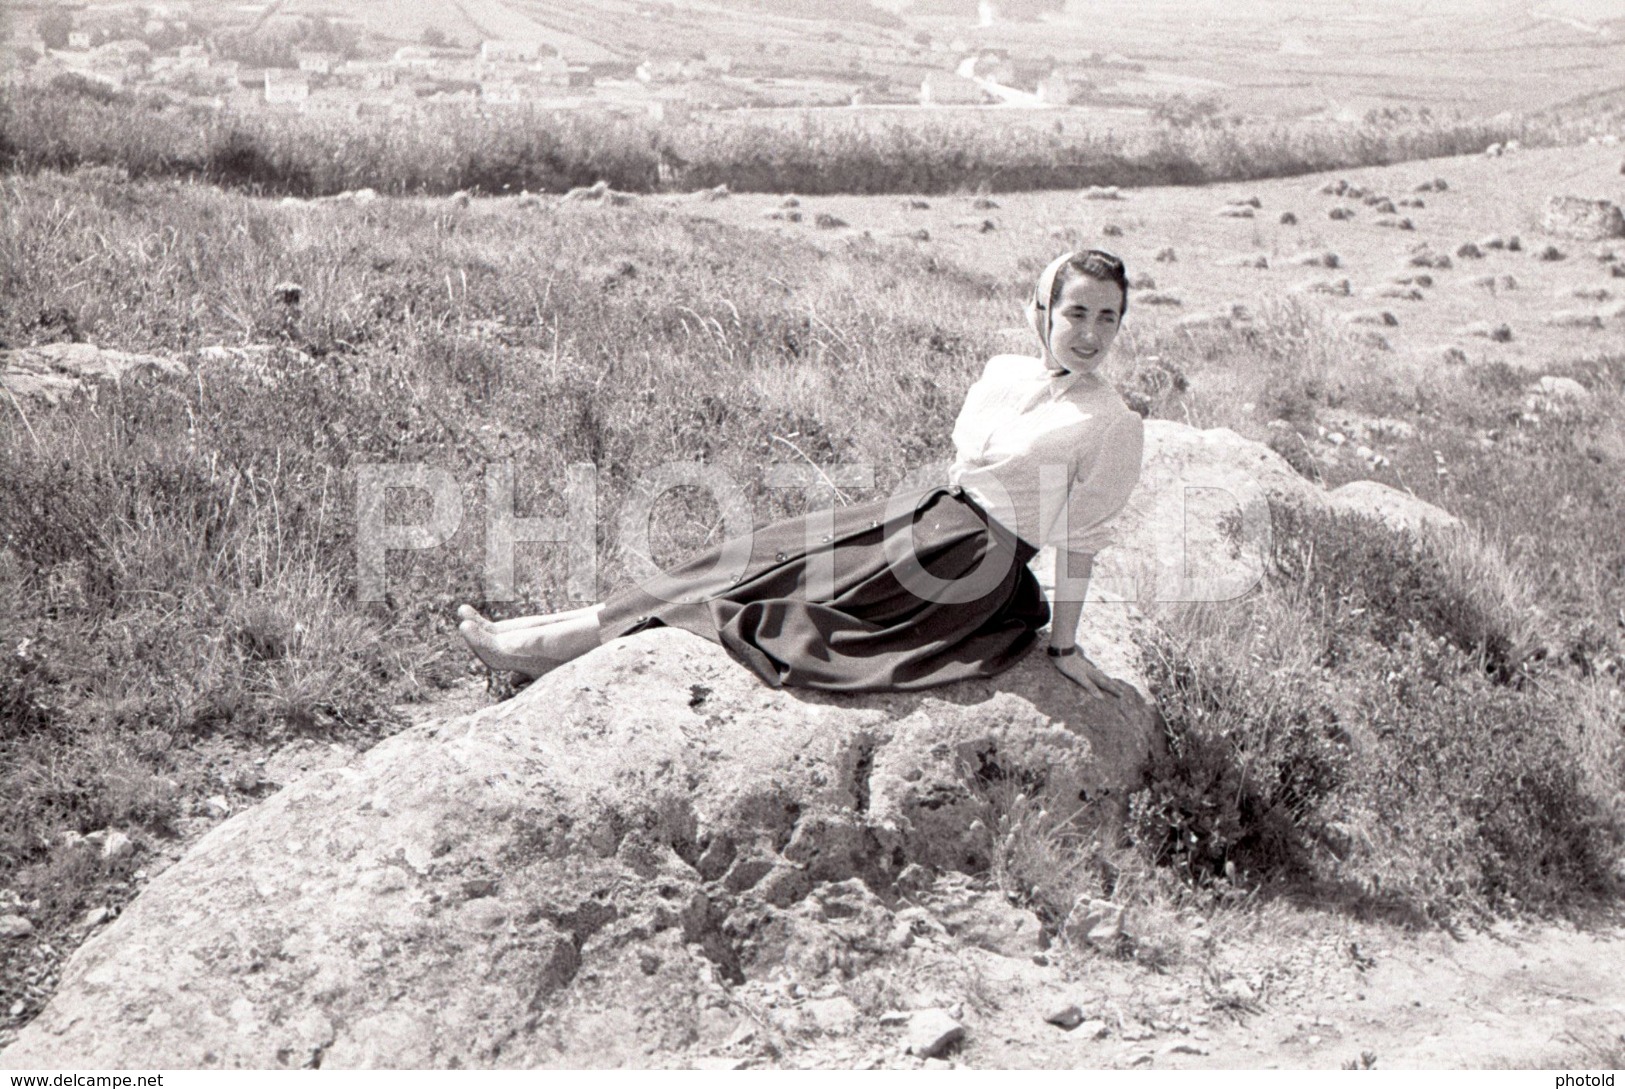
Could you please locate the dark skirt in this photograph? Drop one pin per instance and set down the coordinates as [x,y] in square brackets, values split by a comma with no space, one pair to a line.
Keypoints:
[853,611]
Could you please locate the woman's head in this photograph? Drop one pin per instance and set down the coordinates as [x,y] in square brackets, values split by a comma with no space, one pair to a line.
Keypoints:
[1076,311]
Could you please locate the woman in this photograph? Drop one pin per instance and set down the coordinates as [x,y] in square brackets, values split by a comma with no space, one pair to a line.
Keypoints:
[927,587]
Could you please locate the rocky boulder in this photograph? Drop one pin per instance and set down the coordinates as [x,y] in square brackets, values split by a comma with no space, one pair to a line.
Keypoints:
[55,372]
[586,875]
[1198,528]
[1583,218]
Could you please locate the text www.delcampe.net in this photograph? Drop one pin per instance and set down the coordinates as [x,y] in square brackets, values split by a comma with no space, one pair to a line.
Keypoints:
[87,1081]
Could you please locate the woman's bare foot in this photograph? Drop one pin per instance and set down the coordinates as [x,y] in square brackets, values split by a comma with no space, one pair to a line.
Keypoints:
[487,646]
[520,623]
[532,651]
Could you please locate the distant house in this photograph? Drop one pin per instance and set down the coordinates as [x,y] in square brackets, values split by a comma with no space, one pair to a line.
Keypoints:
[579,76]
[948,89]
[78,39]
[285,87]
[320,64]
[366,75]
[510,50]
[551,70]
[664,70]
[1056,90]
[414,56]
[192,57]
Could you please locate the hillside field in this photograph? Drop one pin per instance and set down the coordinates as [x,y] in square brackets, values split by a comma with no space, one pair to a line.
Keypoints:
[1390,741]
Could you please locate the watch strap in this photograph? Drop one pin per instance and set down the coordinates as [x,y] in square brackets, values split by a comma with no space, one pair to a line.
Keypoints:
[1061,652]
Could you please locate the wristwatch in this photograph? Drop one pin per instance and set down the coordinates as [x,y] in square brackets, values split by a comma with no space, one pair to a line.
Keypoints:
[1061,652]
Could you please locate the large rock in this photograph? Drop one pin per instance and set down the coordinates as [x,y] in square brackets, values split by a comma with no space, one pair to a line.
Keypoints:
[1199,528]
[55,372]
[1583,218]
[1396,509]
[577,876]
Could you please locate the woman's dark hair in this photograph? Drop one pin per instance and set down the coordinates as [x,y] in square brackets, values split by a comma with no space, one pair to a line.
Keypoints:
[1097,265]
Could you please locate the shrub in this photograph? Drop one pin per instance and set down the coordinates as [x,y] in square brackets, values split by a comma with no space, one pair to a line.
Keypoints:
[1363,727]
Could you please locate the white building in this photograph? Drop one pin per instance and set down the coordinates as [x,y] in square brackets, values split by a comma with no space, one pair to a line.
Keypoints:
[510,50]
[414,56]
[284,87]
[320,64]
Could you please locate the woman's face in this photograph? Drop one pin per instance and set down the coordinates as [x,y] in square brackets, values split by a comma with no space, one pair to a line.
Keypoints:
[1083,323]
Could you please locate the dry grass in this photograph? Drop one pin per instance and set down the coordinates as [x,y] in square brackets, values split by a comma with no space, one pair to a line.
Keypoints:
[179,557]
[539,150]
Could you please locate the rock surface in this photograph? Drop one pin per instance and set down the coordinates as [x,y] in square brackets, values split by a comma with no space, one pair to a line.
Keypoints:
[1199,526]
[55,372]
[1583,218]
[578,876]
[931,1033]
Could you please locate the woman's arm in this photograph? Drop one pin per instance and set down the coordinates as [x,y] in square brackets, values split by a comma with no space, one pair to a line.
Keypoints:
[1072,571]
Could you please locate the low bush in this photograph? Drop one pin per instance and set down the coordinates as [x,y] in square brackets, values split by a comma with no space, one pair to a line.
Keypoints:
[1369,727]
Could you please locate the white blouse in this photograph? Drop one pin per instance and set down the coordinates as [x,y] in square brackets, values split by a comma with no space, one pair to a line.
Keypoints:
[1054,459]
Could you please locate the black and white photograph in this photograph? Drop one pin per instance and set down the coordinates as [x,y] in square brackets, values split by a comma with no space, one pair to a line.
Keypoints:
[824,535]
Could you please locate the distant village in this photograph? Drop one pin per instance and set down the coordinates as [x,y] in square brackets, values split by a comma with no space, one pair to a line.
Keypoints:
[340,67]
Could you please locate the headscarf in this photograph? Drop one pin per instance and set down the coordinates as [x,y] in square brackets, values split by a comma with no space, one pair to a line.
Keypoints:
[1038,312]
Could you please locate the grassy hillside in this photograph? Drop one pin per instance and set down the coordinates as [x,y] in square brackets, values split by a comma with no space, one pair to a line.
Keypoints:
[1420,726]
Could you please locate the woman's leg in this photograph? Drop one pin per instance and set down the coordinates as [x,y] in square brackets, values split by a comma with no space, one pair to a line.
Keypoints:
[535,650]
[518,623]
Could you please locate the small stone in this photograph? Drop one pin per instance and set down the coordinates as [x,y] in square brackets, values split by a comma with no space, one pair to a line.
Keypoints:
[1313,1041]
[478,887]
[116,847]
[18,1007]
[933,1032]
[1184,1047]
[218,807]
[1144,1058]
[1091,1030]
[15,926]
[1067,1017]
[937,1064]
[95,917]
[834,1016]
[893,1018]
[1096,921]
[1237,990]
[1562,389]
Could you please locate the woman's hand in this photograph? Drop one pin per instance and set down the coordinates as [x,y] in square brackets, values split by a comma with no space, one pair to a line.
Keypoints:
[1086,675]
